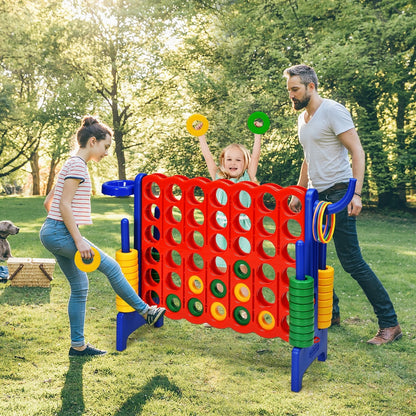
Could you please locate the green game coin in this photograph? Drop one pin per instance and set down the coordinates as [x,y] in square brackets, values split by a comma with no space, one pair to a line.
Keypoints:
[173,303]
[217,292]
[196,307]
[258,130]
[241,315]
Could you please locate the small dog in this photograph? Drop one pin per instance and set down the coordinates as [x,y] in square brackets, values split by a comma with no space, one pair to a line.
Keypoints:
[6,228]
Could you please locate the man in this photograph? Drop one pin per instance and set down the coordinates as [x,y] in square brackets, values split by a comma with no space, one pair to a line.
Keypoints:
[327,134]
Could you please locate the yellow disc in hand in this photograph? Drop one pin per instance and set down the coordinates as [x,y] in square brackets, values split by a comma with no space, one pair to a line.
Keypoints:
[88,267]
[191,121]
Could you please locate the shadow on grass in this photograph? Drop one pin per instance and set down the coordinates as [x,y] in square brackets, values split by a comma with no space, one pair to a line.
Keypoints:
[73,397]
[72,392]
[135,404]
[14,296]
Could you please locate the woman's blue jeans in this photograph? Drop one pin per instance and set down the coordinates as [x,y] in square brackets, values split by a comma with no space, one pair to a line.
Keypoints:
[56,238]
[349,254]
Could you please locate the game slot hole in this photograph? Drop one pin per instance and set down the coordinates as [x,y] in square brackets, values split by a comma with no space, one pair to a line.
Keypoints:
[152,255]
[152,212]
[268,202]
[174,237]
[268,249]
[287,274]
[173,303]
[174,215]
[173,258]
[218,265]
[242,246]
[289,252]
[219,197]
[197,195]
[153,190]
[151,297]
[267,272]
[285,299]
[293,228]
[219,243]
[195,307]
[196,262]
[149,234]
[268,226]
[174,281]
[196,240]
[242,200]
[286,205]
[174,193]
[218,288]
[152,277]
[155,255]
[196,217]
[285,324]
[242,222]
[221,219]
[266,296]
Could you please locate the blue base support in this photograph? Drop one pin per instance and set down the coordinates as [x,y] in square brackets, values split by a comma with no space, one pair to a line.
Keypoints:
[127,323]
[302,358]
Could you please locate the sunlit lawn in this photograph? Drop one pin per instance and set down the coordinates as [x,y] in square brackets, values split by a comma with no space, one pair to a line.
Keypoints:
[185,369]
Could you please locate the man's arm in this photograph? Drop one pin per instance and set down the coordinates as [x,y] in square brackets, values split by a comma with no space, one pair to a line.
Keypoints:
[295,204]
[352,142]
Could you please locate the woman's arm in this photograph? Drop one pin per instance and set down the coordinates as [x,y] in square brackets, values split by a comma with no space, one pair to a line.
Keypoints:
[48,200]
[65,207]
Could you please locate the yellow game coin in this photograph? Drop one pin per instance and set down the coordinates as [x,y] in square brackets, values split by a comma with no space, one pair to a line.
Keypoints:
[202,130]
[88,267]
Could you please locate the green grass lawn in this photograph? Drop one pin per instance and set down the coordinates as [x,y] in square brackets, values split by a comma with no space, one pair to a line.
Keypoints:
[185,369]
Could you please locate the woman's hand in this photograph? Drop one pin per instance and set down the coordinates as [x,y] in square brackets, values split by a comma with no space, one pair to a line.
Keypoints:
[85,250]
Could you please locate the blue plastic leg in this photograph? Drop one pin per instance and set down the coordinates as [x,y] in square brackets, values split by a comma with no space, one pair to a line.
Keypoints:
[302,358]
[127,323]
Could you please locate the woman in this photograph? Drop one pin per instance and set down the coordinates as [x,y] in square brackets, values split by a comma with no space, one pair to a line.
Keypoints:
[69,206]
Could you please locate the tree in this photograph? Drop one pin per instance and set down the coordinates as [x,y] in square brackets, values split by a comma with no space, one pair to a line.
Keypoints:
[366,58]
[114,46]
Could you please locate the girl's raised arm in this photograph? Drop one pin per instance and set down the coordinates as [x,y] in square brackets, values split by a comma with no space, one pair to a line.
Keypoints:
[255,154]
[209,160]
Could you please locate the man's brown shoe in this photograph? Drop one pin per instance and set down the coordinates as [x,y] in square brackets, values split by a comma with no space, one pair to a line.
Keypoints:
[386,335]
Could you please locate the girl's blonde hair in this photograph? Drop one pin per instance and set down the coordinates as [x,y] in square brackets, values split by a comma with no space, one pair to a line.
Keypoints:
[246,155]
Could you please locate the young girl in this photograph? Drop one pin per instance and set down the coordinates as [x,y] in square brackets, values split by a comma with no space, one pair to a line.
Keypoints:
[69,206]
[237,165]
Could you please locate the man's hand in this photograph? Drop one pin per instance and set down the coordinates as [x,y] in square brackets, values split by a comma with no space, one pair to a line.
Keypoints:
[355,206]
[295,205]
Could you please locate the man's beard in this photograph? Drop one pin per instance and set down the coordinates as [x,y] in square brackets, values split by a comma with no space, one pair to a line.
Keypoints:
[299,104]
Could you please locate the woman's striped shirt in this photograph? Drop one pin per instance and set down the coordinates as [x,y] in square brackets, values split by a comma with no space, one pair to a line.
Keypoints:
[74,168]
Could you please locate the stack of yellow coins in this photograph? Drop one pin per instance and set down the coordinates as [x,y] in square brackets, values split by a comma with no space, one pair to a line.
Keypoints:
[325,296]
[130,267]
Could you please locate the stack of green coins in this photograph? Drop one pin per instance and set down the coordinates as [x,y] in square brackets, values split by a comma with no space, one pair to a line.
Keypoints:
[301,312]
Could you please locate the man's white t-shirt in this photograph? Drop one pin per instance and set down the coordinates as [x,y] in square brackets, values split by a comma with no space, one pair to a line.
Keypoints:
[327,158]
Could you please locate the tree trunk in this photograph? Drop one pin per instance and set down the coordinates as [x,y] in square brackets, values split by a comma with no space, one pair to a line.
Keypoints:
[402,103]
[371,138]
[121,160]
[34,164]
[52,174]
